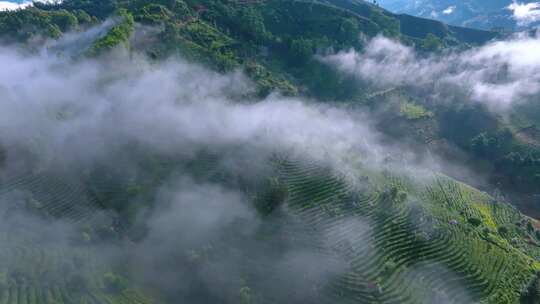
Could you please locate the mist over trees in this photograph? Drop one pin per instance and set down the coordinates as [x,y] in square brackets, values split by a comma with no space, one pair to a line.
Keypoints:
[209,151]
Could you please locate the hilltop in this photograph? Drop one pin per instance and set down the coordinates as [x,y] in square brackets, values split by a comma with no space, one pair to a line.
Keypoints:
[208,151]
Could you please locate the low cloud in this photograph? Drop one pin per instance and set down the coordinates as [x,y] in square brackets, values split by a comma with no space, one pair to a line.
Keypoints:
[498,74]
[211,233]
[59,114]
[202,240]
[71,113]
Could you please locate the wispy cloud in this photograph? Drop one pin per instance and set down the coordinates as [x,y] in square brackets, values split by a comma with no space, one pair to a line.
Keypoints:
[525,13]
[51,102]
[449,10]
[66,114]
[499,74]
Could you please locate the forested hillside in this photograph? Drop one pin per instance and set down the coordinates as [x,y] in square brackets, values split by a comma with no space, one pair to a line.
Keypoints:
[264,151]
[274,41]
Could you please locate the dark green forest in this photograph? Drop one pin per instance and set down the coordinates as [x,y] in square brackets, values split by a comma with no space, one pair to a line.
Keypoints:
[310,233]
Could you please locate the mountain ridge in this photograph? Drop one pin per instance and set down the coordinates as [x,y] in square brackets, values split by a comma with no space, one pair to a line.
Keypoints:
[502,15]
[209,151]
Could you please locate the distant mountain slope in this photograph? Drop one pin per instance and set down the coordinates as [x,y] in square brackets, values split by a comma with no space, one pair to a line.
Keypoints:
[416,27]
[507,14]
[361,231]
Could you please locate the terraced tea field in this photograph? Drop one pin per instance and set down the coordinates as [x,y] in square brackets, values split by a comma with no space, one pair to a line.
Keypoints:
[415,243]
[377,238]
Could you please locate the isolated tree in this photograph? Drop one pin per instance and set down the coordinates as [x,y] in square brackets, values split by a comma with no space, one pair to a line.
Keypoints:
[431,43]
[484,145]
[114,283]
[245,295]
[474,221]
